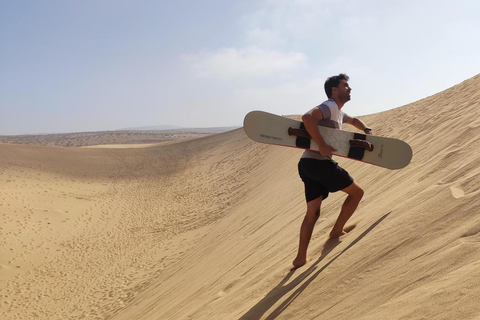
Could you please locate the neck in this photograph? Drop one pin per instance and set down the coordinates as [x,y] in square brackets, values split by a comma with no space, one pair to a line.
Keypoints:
[339,103]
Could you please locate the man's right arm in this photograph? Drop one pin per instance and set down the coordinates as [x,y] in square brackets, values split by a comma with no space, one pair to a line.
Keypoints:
[310,120]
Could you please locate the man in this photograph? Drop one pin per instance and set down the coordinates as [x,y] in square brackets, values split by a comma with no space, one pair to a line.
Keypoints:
[319,172]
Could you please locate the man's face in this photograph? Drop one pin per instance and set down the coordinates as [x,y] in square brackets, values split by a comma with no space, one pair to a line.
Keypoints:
[343,91]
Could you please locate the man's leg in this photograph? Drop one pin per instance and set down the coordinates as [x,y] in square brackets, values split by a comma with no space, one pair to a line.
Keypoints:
[311,217]
[355,194]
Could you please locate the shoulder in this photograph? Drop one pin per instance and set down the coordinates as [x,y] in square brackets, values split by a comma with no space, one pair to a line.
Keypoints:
[328,108]
[330,103]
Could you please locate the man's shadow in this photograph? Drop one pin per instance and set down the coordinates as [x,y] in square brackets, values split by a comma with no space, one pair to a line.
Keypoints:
[257,311]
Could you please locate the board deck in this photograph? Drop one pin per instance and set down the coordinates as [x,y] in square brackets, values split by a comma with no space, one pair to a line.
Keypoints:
[269,128]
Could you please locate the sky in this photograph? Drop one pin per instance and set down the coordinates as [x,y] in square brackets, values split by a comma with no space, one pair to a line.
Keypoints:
[95,65]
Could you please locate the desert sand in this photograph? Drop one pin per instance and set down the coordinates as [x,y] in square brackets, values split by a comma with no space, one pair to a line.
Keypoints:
[208,228]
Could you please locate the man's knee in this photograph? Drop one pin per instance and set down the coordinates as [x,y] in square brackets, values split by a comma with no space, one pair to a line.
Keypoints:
[313,212]
[355,191]
[360,192]
[313,208]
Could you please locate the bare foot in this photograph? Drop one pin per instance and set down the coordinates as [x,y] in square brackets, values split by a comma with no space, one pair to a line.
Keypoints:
[298,262]
[347,229]
[334,235]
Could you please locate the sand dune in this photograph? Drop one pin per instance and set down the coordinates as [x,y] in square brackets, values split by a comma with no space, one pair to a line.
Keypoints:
[111,139]
[208,228]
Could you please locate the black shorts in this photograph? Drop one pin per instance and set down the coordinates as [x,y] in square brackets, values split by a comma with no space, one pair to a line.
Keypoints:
[321,177]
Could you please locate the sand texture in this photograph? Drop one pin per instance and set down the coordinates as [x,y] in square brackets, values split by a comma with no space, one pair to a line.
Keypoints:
[208,228]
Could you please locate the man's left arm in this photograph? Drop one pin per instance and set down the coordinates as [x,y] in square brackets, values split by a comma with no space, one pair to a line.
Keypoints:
[360,125]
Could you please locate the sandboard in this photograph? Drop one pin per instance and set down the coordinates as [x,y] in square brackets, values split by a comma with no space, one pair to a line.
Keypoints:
[385,152]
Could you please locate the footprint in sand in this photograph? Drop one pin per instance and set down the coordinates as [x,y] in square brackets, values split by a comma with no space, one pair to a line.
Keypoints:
[457,192]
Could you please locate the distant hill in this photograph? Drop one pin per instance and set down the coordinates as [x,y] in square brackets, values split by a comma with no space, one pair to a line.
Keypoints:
[151,128]
[212,130]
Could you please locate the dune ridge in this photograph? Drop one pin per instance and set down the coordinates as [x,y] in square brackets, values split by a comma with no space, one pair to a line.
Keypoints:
[207,229]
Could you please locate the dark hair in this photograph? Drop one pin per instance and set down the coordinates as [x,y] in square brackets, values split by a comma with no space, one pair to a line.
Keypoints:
[334,81]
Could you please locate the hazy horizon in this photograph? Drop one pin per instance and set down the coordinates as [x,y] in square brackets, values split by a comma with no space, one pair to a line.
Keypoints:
[165,128]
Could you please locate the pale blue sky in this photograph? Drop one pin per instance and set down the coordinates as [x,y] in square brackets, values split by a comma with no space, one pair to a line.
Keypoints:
[69,66]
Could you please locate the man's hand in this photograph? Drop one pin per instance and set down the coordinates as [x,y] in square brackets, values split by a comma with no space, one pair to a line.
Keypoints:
[326,150]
